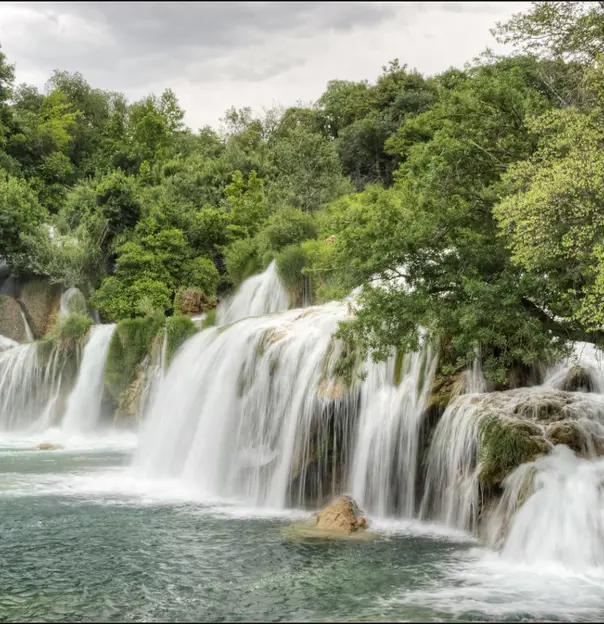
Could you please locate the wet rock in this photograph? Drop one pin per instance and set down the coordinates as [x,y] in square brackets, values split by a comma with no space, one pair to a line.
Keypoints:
[47,446]
[342,515]
[11,320]
[566,432]
[41,302]
[578,380]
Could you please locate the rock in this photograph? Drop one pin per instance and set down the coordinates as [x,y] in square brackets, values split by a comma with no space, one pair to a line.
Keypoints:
[11,319]
[41,302]
[341,515]
[193,301]
[47,446]
[578,380]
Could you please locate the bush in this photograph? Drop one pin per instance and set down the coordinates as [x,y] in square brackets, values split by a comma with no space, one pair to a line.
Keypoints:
[130,344]
[178,329]
[290,264]
[68,333]
[287,226]
[210,319]
[201,273]
[242,259]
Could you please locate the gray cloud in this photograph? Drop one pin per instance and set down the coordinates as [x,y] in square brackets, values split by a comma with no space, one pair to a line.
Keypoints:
[217,54]
[139,42]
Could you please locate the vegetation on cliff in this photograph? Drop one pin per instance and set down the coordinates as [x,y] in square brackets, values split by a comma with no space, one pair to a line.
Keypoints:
[465,204]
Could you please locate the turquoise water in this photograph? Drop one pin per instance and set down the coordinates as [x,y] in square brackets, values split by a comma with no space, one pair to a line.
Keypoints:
[82,538]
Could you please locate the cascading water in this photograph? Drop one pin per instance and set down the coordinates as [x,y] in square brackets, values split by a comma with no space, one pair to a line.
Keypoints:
[230,420]
[28,333]
[7,343]
[84,403]
[384,466]
[26,385]
[259,295]
[542,416]
[561,520]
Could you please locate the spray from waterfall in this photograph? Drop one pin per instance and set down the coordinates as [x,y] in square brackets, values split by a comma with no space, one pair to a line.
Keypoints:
[84,403]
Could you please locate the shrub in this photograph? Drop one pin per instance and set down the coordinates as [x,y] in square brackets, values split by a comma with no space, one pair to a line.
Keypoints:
[178,328]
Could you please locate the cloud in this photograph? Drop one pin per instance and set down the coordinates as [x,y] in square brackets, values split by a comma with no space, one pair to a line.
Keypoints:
[217,54]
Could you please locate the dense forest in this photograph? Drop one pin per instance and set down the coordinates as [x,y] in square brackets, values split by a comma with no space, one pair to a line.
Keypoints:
[467,206]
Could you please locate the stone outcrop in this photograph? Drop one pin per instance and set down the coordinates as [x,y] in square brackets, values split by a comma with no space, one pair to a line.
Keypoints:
[47,446]
[40,301]
[193,301]
[341,515]
[11,320]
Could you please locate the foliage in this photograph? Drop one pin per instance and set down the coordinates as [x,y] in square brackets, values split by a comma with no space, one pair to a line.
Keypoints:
[20,213]
[130,344]
[178,328]
[504,445]
[69,332]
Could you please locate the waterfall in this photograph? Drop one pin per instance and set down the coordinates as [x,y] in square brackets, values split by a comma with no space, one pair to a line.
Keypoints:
[66,299]
[239,408]
[28,333]
[561,520]
[542,416]
[84,403]
[585,357]
[26,385]
[259,295]
[154,373]
[254,412]
[7,343]
[383,476]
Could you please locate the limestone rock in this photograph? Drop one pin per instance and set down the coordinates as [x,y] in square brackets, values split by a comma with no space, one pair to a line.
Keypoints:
[41,302]
[194,301]
[578,380]
[47,446]
[11,320]
[342,515]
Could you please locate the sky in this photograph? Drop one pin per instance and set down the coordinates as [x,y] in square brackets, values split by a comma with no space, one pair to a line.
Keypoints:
[214,55]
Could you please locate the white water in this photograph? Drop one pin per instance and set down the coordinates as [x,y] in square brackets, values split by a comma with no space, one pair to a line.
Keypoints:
[26,386]
[84,403]
[259,295]
[66,298]
[7,343]
[384,467]
[585,355]
[239,404]
[28,333]
[562,521]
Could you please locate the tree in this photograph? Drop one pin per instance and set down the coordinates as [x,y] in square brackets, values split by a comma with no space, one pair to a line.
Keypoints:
[20,215]
[569,30]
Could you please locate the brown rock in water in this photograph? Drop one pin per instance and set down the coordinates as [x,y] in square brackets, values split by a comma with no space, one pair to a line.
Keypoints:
[341,515]
[47,446]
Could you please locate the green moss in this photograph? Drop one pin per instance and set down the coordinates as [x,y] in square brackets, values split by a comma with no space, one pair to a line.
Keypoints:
[67,334]
[505,444]
[210,319]
[130,343]
[178,329]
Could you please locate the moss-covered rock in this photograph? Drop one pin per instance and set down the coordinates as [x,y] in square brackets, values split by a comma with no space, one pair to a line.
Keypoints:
[505,444]
[578,380]
[567,432]
[544,406]
[131,342]
[11,321]
[41,301]
[444,388]
[178,328]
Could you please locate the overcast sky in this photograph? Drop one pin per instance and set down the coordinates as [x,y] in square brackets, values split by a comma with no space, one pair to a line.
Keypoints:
[259,54]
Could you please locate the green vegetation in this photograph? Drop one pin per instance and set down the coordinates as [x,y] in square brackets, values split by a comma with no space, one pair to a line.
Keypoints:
[465,205]
[178,328]
[504,445]
[130,344]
